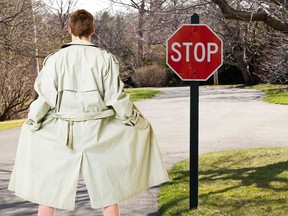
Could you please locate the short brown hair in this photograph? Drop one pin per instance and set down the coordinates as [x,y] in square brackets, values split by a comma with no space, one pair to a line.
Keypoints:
[81,23]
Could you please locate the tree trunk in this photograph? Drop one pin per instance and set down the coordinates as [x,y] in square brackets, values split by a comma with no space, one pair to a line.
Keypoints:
[35,57]
[141,29]
[242,64]
[244,68]
[216,78]
[241,57]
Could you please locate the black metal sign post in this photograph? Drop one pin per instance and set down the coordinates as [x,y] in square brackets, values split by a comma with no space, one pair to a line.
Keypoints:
[186,42]
[194,134]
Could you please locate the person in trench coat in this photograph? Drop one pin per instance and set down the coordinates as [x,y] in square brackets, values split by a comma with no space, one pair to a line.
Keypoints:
[83,120]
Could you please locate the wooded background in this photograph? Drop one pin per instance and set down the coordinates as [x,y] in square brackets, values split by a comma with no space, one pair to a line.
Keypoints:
[254,34]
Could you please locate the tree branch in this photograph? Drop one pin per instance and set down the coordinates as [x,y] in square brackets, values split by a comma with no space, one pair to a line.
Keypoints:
[278,3]
[10,18]
[260,15]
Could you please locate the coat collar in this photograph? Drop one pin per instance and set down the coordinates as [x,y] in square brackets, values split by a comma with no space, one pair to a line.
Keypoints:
[78,42]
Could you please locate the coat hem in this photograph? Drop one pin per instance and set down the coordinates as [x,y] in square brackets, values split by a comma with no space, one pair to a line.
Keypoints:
[93,206]
[117,201]
[36,201]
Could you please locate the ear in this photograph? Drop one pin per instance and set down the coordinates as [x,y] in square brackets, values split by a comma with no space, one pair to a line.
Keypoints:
[93,31]
[69,29]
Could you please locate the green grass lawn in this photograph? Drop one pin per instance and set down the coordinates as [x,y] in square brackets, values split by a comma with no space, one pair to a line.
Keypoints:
[277,94]
[141,94]
[135,95]
[11,124]
[243,182]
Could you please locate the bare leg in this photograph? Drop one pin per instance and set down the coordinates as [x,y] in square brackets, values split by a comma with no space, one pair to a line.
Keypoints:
[112,210]
[45,211]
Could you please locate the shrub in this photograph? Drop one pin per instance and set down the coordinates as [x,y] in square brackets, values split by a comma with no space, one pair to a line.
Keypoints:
[150,76]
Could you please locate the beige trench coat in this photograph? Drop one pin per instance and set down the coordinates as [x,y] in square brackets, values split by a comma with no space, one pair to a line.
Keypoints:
[83,119]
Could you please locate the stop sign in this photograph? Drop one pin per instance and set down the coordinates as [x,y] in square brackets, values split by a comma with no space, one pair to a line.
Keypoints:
[194,52]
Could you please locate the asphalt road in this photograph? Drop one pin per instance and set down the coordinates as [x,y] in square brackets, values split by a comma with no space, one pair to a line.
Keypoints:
[229,119]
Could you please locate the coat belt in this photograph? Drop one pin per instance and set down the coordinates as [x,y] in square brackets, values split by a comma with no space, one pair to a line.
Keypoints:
[70,118]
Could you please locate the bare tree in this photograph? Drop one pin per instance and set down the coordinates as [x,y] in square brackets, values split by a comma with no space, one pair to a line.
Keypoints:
[111,34]
[246,40]
[258,50]
[29,31]
[16,91]
[17,57]
[52,23]
[272,12]
[273,57]
[141,7]
[15,31]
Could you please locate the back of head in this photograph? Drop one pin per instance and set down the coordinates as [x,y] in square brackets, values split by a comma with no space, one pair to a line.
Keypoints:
[81,23]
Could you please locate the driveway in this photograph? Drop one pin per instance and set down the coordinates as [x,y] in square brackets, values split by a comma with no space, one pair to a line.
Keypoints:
[229,119]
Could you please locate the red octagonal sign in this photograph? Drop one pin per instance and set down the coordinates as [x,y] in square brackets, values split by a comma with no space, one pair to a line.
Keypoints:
[194,52]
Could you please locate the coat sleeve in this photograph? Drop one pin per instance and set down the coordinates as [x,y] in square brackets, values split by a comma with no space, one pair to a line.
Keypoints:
[115,96]
[46,87]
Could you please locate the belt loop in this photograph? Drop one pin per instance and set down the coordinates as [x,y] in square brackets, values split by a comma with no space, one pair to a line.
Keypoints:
[69,143]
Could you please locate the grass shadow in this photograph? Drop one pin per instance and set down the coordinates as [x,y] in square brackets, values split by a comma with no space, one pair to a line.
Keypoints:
[262,176]
[248,182]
